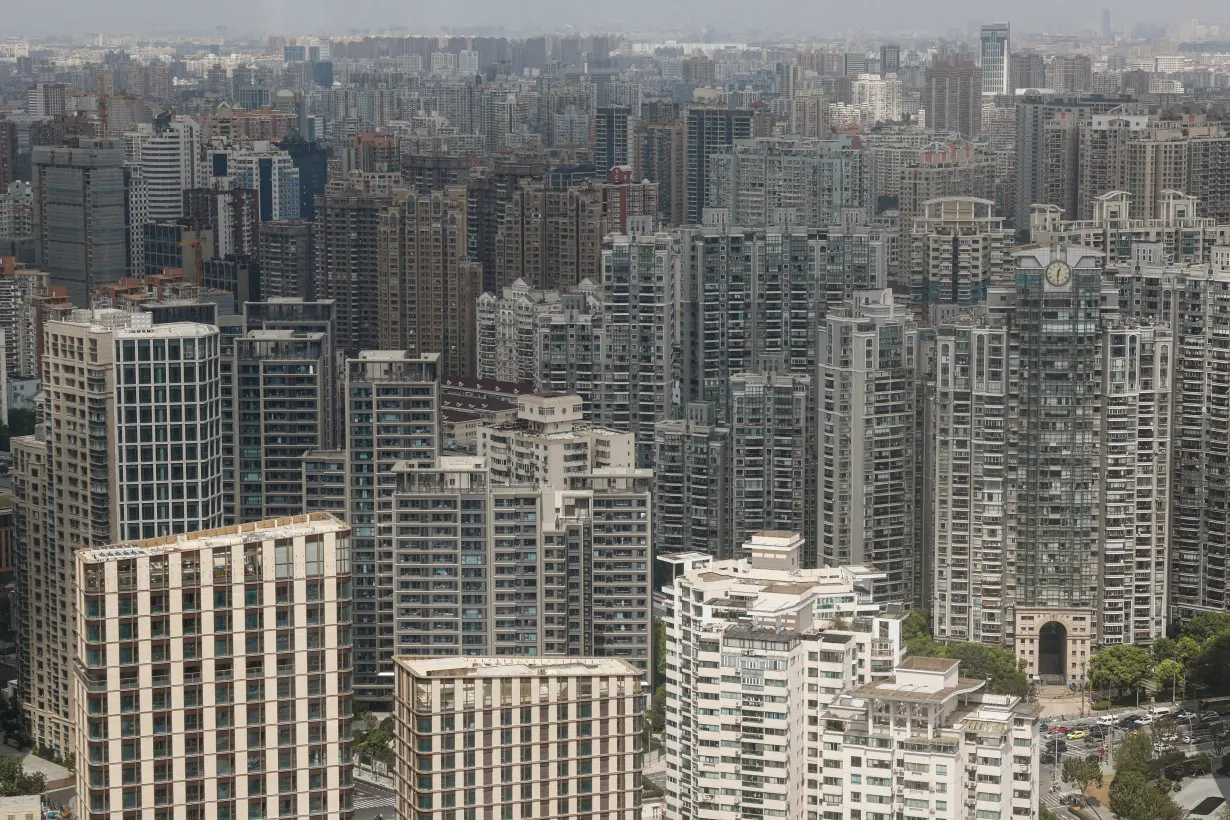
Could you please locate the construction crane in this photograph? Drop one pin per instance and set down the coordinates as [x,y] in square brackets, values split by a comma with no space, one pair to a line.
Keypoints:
[195,244]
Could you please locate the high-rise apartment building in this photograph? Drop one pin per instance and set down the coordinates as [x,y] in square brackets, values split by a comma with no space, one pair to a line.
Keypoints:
[427,287]
[752,305]
[288,259]
[283,398]
[612,137]
[764,637]
[263,167]
[1178,229]
[516,553]
[569,728]
[773,450]
[252,721]
[1071,74]
[783,181]
[550,237]
[346,239]
[659,157]
[80,228]
[546,338]
[549,441]
[957,247]
[392,401]
[868,503]
[930,743]
[691,463]
[20,291]
[706,130]
[1050,489]
[952,97]
[995,53]
[8,152]
[171,158]
[1193,300]
[890,58]
[129,447]
[1027,70]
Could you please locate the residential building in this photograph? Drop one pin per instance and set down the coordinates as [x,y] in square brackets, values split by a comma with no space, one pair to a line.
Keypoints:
[170,155]
[659,157]
[512,589]
[1071,74]
[263,167]
[1027,71]
[283,395]
[427,287]
[81,191]
[788,182]
[927,742]
[952,97]
[546,338]
[346,240]
[1048,593]
[612,137]
[8,152]
[869,501]
[130,447]
[161,715]
[691,488]
[17,212]
[958,247]
[707,129]
[392,401]
[549,441]
[1182,236]
[20,290]
[774,643]
[550,237]
[288,259]
[566,768]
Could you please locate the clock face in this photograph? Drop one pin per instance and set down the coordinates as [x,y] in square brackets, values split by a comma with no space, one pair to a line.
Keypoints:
[1058,273]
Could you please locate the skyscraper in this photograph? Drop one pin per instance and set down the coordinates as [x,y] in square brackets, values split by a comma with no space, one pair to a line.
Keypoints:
[8,153]
[346,239]
[130,448]
[890,58]
[170,156]
[272,687]
[957,248]
[427,288]
[612,136]
[995,52]
[288,259]
[80,217]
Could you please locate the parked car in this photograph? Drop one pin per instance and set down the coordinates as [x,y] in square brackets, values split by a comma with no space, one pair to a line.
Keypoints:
[1107,720]
[1159,711]
[1183,714]
[1144,720]
[1063,730]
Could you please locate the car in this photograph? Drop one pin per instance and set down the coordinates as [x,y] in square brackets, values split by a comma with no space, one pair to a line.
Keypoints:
[1144,720]
[1209,715]
[1127,722]
[1098,731]
[1063,730]
[1076,735]
[1159,711]
[1046,758]
[1183,714]
[1188,739]
[1107,720]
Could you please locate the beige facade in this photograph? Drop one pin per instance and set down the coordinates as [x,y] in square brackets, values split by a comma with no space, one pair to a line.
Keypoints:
[551,440]
[251,721]
[1077,627]
[518,738]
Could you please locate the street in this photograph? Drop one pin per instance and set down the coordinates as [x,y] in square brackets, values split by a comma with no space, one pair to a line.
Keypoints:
[371,801]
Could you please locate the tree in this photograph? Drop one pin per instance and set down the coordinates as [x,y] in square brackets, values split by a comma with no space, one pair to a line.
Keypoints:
[1120,666]
[1220,736]
[375,740]
[1132,797]
[1209,665]
[1171,673]
[659,650]
[916,633]
[1082,773]
[1206,626]
[1134,754]
[14,781]
[997,665]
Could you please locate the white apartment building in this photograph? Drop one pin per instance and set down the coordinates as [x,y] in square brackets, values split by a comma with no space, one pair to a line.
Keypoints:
[268,170]
[518,738]
[868,499]
[171,163]
[19,318]
[958,247]
[129,447]
[253,721]
[756,648]
[551,440]
[924,743]
[880,96]
[540,337]
[17,211]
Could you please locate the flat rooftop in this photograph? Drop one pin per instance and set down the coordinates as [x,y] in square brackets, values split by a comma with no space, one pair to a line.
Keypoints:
[514,667]
[317,523]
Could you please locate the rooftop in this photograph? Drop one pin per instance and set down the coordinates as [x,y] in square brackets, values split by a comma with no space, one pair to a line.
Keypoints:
[514,667]
[317,523]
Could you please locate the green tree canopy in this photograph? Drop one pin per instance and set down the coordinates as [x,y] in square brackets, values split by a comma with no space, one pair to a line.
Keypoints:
[996,664]
[1209,665]
[15,781]
[1082,772]
[1120,666]
[1206,626]
[1134,754]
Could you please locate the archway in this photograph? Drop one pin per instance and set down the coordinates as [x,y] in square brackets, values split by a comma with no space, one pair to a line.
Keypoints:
[1053,651]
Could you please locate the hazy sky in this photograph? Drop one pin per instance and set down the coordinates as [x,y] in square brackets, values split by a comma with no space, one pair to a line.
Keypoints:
[801,18]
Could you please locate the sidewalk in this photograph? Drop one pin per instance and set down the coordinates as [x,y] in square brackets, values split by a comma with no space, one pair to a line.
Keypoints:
[367,776]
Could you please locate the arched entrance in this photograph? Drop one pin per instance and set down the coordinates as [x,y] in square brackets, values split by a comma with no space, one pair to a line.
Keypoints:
[1053,651]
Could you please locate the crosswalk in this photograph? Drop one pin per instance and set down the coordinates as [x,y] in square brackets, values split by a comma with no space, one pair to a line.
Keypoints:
[375,801]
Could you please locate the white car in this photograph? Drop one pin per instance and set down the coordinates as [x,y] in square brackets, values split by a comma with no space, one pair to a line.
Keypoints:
[1159,711]
[1144,720]
[1107,720]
